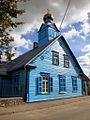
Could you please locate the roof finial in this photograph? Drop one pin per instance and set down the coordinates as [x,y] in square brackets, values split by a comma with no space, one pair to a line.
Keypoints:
[48,15]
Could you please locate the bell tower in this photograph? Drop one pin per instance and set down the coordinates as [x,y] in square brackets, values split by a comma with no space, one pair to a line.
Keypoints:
[48,30]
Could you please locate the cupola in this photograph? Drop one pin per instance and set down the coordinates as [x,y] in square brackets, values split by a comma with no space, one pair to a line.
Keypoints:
[48,30]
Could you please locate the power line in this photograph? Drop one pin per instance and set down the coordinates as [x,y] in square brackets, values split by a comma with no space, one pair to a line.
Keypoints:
[65,12]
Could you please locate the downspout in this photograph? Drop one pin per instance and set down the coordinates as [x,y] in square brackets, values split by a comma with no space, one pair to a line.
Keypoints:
[25,84]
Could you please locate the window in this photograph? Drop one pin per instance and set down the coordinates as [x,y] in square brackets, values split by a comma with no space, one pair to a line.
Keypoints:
[44,84]
[74,84]
[62,84]
[52,33]
[55,58]
[66,61]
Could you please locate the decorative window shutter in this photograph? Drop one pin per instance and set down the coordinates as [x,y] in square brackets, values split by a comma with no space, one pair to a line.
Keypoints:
[50,85]
[38,85]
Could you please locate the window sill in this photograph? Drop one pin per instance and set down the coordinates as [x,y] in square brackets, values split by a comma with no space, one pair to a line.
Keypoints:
[45,93]
[62,92]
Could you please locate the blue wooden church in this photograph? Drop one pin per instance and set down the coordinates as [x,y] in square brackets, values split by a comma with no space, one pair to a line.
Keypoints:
[48,71]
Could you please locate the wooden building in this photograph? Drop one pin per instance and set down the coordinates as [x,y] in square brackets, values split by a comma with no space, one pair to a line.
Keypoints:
[48,71]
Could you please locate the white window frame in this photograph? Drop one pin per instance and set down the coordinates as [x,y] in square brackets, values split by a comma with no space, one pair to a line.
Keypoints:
[45,84]
[55,59]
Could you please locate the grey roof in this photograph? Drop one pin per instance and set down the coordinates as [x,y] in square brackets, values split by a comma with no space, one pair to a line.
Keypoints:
[22,60]
[25,58]
[19,62]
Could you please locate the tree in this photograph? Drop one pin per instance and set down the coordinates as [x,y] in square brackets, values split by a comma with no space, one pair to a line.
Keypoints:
[8,15]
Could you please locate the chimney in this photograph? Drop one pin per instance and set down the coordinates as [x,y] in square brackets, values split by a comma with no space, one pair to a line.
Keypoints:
[35,45]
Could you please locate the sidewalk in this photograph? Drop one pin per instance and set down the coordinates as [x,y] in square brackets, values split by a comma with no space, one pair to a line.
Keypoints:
[40,105]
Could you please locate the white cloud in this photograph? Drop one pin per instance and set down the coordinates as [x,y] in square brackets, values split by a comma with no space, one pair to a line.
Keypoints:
[35,9]
[21,42]
[85,27]
[83,32]
[86,49]
[85,59]
[18,42]
[72,33]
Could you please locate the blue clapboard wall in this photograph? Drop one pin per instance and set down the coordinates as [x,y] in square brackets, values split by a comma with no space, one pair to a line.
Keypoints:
[45,65]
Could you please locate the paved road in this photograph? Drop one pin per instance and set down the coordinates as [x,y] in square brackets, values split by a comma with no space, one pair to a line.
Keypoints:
[74,111]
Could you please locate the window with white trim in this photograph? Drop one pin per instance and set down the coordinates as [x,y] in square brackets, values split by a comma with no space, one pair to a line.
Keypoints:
[45,84]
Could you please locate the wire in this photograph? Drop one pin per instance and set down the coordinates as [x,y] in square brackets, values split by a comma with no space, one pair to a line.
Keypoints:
[65,13]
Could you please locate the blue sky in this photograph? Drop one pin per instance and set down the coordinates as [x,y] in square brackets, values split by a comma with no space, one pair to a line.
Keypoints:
[75,28]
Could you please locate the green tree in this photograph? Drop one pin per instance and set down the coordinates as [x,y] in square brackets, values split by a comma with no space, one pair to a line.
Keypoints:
[8,16]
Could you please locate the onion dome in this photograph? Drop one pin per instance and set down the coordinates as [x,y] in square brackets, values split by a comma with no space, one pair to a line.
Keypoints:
[48,15]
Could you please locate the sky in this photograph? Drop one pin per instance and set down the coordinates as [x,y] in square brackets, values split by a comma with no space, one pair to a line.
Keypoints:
[75,28]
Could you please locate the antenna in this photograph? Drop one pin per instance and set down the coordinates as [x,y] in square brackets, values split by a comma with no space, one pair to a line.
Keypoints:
[65,12]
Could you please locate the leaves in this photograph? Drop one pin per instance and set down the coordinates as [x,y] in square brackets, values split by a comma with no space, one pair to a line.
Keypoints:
[8,12]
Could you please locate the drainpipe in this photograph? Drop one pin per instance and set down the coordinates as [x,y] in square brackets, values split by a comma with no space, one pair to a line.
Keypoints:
[25,85]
